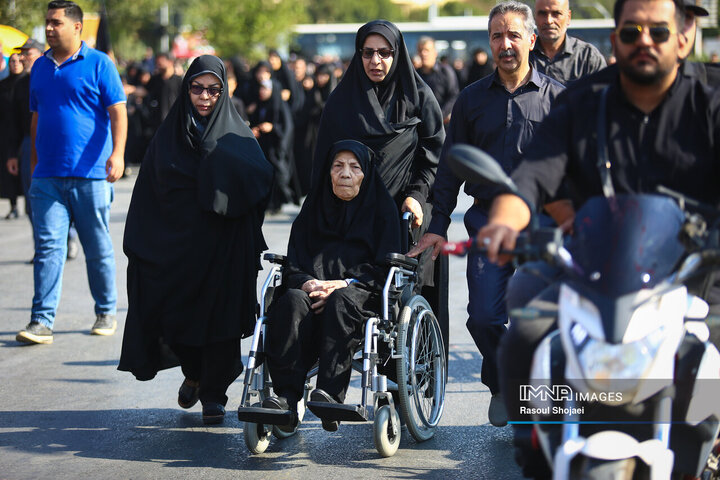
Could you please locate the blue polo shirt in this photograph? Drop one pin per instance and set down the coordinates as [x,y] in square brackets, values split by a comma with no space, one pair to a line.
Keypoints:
[73,133]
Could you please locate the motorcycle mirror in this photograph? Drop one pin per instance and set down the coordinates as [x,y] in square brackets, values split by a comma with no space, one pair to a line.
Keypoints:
[475,166]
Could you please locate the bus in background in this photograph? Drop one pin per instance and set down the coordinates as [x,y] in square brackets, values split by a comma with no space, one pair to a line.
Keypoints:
[455,37]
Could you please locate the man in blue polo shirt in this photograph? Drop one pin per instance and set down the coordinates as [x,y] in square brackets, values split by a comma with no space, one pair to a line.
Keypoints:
[79,127]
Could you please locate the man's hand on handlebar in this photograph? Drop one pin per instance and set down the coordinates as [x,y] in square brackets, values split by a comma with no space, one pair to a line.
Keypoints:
[495,237]
[428,240]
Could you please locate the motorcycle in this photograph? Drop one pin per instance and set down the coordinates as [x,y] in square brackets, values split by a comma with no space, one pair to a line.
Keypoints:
[627,385]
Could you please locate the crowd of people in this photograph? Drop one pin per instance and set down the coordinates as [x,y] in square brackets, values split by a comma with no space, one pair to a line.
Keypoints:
[221,144]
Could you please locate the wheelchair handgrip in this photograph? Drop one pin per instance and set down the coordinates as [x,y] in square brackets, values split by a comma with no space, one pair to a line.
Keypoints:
[400,260]
[405,238]
[275,258]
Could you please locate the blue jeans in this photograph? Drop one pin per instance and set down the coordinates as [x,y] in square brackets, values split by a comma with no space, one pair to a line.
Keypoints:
[487,314]
[56,202]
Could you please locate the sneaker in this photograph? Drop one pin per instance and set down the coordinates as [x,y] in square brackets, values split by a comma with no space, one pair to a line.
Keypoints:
[105,324]
[35,332]
[73,248]
[189,393]
[497,413]
[213,413]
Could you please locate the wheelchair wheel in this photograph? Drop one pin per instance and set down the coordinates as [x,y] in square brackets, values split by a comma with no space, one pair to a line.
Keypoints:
[386,434]
[422,370]
[257,438]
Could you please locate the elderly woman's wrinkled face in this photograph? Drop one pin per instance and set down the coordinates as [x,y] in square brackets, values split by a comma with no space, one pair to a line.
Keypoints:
[346,175]
[204,93]
[373,51]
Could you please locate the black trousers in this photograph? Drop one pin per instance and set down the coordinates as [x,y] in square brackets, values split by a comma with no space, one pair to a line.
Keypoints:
[215,366]
[297,338]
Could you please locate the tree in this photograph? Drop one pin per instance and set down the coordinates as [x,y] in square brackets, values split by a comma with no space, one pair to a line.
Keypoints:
[247,27]
[352,11]
[23,14]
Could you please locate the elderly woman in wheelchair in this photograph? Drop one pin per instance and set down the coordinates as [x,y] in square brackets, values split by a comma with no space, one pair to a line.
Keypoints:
[341,270]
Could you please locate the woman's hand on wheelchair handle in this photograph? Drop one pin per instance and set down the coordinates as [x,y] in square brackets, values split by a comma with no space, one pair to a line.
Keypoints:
[428,240]
[413,206]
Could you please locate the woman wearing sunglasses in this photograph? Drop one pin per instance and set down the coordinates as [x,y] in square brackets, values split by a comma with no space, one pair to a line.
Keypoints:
[193,240]
[382,102]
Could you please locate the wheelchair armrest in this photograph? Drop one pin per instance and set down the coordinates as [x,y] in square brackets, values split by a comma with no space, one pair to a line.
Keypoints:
[275,258]
[400,260]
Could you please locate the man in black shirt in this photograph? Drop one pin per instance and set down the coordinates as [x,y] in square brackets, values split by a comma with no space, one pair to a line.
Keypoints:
[498,114]
[163,88]
[707,73]
[556,53]
[440,77]
[663,129]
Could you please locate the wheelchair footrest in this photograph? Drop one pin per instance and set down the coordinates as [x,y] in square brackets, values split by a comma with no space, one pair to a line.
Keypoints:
[267,416]
[339,411]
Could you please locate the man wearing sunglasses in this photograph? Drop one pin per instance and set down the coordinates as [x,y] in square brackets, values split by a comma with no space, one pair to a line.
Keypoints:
[557,54]
[663,128]
[707,73]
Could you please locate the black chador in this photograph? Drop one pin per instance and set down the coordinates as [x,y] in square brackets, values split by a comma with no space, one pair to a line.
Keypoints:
[277,143]
[400,120]
[331,239]
[193,240]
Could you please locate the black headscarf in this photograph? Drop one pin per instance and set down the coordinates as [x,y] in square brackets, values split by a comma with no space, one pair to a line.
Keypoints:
[398,118]
[333,239]
[193,234]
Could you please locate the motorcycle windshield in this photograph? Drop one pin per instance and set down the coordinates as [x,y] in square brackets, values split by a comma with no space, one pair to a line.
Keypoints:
[626,243]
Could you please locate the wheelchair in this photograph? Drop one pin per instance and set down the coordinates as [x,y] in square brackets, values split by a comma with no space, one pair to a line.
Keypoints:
[405,333]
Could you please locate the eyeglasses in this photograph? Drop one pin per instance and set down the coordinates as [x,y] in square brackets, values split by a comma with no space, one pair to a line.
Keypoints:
[196,89]
[630,33]
[384,53]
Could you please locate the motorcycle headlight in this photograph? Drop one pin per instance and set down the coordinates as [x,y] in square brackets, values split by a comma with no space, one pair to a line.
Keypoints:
[617,367]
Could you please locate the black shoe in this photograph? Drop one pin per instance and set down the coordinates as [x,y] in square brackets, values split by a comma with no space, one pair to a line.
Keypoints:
[35,332]
[12,215]
[319,395]
[188,393]
[213,413]
[497,413]
[105,324]
[280,403]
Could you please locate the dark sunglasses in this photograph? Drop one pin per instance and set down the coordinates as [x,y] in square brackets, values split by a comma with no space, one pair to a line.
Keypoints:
[383,52]
[196,89]
[630,33]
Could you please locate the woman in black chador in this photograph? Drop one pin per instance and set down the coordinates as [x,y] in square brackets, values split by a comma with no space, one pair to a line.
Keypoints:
[382,102]
[193,240]
[334,275]
[272,125]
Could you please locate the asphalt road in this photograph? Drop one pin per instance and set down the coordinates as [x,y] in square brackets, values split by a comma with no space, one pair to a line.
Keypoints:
[66,412]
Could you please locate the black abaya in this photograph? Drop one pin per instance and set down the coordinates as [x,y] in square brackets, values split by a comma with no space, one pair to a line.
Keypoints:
[331,240]
[277,144]
[193,233]
[401,121]
[10,186]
